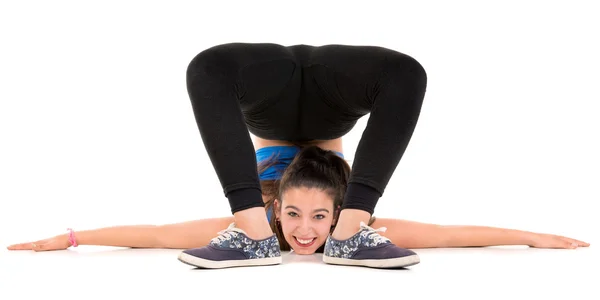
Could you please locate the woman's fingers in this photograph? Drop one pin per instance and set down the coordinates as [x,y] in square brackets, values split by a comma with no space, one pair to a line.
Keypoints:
[15,247]
[36,246]
[569,243]
[558,242]
[578,243]
[581,243]
[22,246]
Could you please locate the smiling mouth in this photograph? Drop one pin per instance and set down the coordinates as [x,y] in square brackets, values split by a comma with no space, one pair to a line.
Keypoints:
[304,242]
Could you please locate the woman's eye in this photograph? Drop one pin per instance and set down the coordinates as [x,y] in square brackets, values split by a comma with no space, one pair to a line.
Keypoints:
[319,217]
[292,214]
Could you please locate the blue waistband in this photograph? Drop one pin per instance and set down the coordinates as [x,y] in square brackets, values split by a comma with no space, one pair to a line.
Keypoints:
[281,157]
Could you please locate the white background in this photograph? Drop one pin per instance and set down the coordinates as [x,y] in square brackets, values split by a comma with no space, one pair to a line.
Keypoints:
[96,128]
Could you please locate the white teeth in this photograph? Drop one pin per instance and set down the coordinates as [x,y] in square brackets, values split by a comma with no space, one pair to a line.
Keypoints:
[304,241]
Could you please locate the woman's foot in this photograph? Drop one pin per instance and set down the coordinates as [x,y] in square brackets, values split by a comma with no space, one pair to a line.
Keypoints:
[233,248]
[367,248]
[354,243]
[253,221]
[348,223]
[249,241]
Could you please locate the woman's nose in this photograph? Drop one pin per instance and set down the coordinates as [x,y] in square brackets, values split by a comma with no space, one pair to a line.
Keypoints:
[305,226]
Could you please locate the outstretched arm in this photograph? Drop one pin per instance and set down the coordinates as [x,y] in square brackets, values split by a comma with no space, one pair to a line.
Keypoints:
[410,234]
[191,234]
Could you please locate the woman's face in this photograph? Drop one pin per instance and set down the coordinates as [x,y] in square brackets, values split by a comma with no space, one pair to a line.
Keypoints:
[306,217]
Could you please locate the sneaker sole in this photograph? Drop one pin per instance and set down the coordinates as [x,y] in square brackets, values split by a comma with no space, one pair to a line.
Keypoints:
[211,264]
[399,262]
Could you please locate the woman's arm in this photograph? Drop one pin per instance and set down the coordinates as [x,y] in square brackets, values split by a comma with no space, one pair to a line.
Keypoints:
[410,234]
[192,234]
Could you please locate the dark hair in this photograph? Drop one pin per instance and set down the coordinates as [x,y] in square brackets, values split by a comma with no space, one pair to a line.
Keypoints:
[313,167]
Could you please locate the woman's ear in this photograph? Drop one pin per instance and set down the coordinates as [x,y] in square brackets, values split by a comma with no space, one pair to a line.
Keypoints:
[277,208]
[336,215]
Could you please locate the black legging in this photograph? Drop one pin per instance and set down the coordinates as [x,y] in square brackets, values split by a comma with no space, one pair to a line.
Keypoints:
[301,93]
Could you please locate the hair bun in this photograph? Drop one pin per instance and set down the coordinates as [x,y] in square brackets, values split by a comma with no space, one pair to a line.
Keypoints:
[316,156]
[314,152]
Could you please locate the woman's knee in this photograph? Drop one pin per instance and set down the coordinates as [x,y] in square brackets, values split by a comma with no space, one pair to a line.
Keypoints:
[213,62]
[405,67]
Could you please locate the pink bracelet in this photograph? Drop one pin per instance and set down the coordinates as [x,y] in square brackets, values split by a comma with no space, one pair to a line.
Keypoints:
[72,237]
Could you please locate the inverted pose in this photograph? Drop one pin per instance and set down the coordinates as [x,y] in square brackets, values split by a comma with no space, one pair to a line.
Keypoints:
[303,193]
[305,95]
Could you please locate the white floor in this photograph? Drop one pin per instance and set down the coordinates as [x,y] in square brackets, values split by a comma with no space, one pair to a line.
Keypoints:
[477,273]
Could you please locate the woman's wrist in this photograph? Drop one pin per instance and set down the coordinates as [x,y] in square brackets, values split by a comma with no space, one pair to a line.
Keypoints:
[529,238]
[72,238]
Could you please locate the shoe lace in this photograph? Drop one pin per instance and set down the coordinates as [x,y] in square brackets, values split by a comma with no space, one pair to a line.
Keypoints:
[228,233]
[374,233]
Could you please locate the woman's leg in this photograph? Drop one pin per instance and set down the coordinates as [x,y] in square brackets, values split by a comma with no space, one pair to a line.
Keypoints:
[391,87]
[229,86]
[222,99]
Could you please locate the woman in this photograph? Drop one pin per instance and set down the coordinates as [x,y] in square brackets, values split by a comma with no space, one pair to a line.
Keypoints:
[306,95]
[303,192]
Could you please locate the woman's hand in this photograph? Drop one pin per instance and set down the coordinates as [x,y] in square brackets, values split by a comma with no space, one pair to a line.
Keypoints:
[541,240]
[59,242]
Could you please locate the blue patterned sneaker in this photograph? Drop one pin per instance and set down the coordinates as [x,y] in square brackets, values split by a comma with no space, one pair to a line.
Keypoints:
[368,248]
[233,248]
